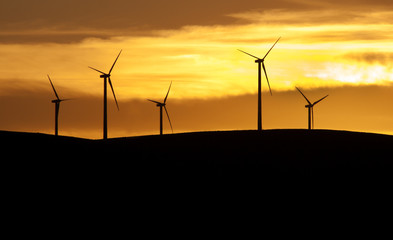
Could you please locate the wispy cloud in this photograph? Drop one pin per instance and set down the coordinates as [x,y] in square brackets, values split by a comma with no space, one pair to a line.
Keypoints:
[381,58]
[203,61]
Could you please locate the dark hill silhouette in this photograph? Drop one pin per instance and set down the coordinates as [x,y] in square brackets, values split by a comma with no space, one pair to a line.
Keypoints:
[225,154]
[287,171]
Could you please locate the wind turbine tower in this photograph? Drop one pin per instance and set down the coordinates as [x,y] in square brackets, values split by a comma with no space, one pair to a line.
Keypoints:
[163,105]
[107,78]
[310,107]
[57,102]
[261,64]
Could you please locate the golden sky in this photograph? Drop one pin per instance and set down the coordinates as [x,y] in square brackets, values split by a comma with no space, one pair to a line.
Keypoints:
[330,47]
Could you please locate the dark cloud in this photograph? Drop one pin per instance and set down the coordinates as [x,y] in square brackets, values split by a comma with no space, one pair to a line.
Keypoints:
[122,14]
[73,20]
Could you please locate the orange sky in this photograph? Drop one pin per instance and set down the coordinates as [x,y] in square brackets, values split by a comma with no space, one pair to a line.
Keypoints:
[341,49]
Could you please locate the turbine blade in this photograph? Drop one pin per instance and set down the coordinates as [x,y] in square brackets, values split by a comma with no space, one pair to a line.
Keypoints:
[168,118]
[154,101]
[113,91]
[167,92]
[97,70]
[264,69]
[304,96]
[270,49]
[57,96]
[319,100]
[115,62]
[248,54]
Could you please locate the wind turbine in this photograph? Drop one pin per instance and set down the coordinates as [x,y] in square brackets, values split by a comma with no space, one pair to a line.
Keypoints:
[107,76]
[261,62]
[161,105]
[57,102]
[310,107]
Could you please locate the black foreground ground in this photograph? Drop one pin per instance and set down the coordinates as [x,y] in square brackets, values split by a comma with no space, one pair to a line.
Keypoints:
[197,156]
[64,185]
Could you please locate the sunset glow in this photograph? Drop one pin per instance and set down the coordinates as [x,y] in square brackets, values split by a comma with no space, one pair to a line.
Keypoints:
[321,49]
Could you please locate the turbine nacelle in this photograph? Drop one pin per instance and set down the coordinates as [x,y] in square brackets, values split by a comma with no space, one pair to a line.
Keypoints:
[259,60]
[105,76]
[57,100]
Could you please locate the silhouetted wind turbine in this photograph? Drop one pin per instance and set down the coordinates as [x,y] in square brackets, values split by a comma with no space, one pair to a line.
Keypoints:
[310,107]
[57,102]
[106,76]
[261,61]
[161,105]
